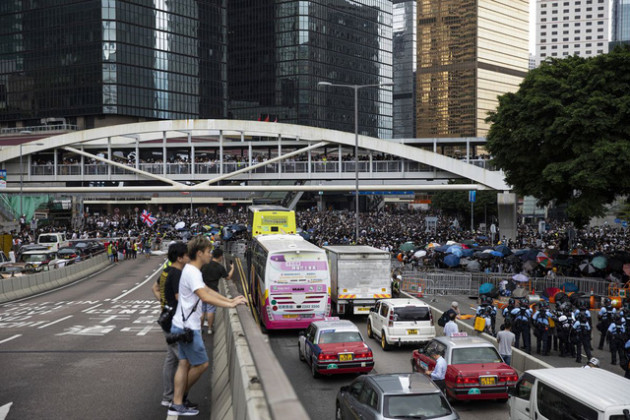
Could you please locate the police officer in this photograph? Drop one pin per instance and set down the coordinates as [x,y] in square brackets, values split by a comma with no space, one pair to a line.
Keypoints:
[617,332]
[563,331]
[582,337]
[507,311]
[583,309]
[540,322]
[522,316]
[605,319]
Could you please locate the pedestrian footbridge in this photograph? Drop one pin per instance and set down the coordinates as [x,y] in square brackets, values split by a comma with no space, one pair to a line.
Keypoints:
[234,156]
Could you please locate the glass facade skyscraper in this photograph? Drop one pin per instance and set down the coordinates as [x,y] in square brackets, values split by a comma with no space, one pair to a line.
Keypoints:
[469,53]
[404,53]
[122,60]
[279,50]
[621,21]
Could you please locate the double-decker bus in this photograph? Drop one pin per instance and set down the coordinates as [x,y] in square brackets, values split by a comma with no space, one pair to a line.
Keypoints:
[269,219]
[289,281]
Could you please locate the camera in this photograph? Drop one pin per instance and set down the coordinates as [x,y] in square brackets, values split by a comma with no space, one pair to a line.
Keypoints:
[185,337]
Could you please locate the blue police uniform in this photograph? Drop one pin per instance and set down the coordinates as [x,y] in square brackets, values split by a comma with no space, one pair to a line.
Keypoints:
[605,316]
[541,331]
[582,337]
[617,333]
[522,318]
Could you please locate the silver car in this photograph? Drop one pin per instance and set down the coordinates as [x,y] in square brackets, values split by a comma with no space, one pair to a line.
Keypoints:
[393,396]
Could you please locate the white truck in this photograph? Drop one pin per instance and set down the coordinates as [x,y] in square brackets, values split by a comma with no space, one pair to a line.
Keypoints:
[359,276]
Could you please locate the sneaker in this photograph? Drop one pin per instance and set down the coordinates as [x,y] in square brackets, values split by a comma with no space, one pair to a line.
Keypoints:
[166,403]
[210,331]
[181,410]
[190,404]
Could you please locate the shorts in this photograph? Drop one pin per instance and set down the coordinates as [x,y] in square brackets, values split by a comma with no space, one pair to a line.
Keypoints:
[206,308]
[194,352]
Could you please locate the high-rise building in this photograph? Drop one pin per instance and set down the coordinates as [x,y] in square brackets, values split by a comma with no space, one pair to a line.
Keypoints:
[469,53]
[621,21]
[280,50]
[571,27]
[101,62]
[405,58]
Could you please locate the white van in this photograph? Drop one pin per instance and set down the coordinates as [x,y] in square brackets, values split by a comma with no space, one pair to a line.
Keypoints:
[570,393]
[53,240]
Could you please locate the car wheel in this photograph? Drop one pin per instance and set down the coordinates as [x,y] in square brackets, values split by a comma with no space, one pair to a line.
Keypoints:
[370,333]
[302,359]
[338,415]
[314,371]
[384,344]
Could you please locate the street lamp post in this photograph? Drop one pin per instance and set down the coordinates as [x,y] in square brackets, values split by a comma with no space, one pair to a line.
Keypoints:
[356,144]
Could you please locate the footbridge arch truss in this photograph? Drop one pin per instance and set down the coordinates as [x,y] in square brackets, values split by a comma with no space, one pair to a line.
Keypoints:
[114,153]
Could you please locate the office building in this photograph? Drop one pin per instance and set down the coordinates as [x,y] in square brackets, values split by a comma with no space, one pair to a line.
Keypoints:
[621,21]
[571,27]
[280,50]
[404,53]
[103,62]
[469,53]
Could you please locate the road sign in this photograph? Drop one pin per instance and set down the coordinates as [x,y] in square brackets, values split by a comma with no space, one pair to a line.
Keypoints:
[624,223]
[472,196]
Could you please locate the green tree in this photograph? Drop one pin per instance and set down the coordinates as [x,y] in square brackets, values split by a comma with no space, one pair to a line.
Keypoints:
[564,136]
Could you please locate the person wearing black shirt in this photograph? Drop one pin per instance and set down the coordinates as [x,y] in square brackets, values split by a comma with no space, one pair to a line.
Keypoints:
[212,273]
[166,290]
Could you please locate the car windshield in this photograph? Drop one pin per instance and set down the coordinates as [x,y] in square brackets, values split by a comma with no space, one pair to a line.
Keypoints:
[47,238]
[411,313]
[425,406]
[339,337]
[34,258]
[475,355]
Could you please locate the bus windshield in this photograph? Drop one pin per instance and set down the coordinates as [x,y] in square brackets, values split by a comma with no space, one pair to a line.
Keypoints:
[297,268]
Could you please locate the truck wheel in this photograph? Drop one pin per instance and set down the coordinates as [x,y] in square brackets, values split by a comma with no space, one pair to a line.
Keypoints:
[384,344]
[370,333]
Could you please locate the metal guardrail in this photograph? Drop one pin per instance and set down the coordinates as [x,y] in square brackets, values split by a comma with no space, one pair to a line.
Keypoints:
[460,283]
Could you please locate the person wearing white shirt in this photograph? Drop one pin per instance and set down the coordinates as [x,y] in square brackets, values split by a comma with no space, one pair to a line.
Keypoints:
[439,371]
[193,359]
[451,327]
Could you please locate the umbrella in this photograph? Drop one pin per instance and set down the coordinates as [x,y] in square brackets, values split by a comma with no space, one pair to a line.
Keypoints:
[482,255]
[569,287]
[615,264]
[442,248]
[485,288]
[578,251]
[469,242]
[180,225]
[586,267]
[503,249]
[407,246]
[432,245]
[455,250]
[194,225]
[207,227]
[467,252]
[496,253]
[451,260]
[530,255]
[420,253]
[452,243]
[529,265]
[544,260]
[520,277]
[473,266]
[551,291]
[599,262]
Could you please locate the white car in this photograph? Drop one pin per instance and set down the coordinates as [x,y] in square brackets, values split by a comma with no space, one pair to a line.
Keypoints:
[400,321]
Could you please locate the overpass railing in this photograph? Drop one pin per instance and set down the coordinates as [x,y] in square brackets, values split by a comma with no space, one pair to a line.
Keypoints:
[376,166]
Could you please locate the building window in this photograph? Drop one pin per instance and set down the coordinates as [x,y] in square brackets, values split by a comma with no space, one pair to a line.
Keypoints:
[543,48]
[543,55]
[554,54]
[589,52]
[576,46]
[565,53]
[600,51]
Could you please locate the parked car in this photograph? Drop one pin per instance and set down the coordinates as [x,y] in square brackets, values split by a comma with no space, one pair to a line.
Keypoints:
[475,370]
[334,346]
[400,321]
[53,241]
[88,247]
[11,269]
[35,261]
[71,254]
[29,247]
[393,396]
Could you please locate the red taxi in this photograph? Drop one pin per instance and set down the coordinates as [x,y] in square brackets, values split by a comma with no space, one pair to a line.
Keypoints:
[334,346]
[475,370]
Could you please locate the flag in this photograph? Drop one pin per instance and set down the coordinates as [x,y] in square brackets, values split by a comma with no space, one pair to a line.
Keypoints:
[147,218]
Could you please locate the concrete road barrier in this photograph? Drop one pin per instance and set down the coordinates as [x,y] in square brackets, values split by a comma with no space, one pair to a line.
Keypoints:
[22,286]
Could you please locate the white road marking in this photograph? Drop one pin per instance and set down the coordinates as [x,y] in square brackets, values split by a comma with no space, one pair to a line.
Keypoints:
[95,306]
[55,322]
[4,410]
[4,341]
[141,284]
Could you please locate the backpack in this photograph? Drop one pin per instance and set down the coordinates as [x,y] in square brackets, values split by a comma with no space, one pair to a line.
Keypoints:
[443,319]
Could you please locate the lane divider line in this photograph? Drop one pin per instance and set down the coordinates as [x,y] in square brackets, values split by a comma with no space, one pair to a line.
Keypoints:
[55,322]
[159,270]
[11,338]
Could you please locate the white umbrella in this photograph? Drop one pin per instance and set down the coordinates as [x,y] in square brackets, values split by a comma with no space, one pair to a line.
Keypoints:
[420,253]
[520,277]
[452,243]
[180,225]
[194,225]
